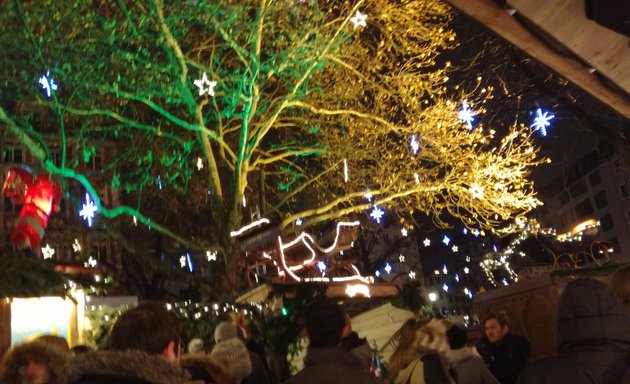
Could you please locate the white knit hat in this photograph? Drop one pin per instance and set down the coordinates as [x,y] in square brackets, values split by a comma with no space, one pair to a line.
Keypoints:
[233,353]
[224,331]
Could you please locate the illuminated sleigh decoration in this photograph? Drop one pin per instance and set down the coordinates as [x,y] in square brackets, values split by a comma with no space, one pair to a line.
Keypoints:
[303,259]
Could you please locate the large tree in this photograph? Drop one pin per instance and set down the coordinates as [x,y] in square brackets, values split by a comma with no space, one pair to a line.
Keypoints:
[315,104]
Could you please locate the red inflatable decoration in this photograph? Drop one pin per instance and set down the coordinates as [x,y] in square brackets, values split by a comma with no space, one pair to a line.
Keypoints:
[40,196]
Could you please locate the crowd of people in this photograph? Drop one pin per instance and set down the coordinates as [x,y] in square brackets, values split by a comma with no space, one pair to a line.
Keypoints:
[592,339]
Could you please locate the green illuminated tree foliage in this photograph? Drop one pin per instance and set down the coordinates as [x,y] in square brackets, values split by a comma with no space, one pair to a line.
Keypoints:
[300,91]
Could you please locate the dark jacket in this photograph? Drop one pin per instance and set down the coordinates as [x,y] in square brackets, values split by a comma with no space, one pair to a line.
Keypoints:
[55,358]
[469,368]
[507,358]
[592,339]
[123,367]
[331,365]
[259,374]
[204,368]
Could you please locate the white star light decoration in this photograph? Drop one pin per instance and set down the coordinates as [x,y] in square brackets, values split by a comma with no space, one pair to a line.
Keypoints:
[298,222]
[377,214]
[476,191]
[404,232]
[466,115]
[48,84]
[88,210]
[446,240]
[91,262]
[401,258]
[541,121]
[76,247]
[455,248]
[368,195]
[412,275]
[445,288]
[199,163]
[205,85]
[466,270]
[321,266]
[426,242]
[359,20]
[182,261]
[48,252]
[211,255]
[415,146]
[388,268]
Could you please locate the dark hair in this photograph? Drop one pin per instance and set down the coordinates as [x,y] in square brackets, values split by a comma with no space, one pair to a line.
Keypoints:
[149,327]
[457,337]
[78,349]
[501,318]
[324,322]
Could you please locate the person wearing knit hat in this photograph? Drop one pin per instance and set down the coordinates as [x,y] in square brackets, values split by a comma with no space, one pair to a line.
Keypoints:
[224,331]
[233,353]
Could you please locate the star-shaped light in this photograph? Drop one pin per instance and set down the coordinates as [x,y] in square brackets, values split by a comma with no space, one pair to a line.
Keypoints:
[412,275]
[426,242]
[211,255]
[455,248]
[88,210]
[377,214]
[416,178]
[445,287]
[48,252]
[205,85]
[541,121]
[476,191]
[466,115]
[76,247]
[444,269]
[298,222]
[321,266]
[466,270]
[446,240]
[457,277]
[466,291]
[182,261]
[368,195]
[468,259]
[388,268]
[415,146]
[48,84]
[401,258]
[475,232]
[91,262]
[377,274]
[404,232]
[465,230]
[199,163]
[359,20]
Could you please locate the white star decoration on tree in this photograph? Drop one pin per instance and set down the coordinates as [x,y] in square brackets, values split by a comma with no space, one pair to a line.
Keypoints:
[76,247]
[359,20]
[476,191]
[446,240]
[404,232]
[455,248]
[321,266]
[401,258]
[199,163]
[426,242]
[541,121]
[368,195]
[48,252]
[211,255]
[182,261]
[415,146]
[388,268]
[91,262]
[48,84]
[412,275]
[205,85]
[298,222]
[466,115]
[88,210]
[377,214]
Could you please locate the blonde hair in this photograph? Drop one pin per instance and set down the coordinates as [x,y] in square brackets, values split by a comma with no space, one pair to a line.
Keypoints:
[620,285]
[405,342]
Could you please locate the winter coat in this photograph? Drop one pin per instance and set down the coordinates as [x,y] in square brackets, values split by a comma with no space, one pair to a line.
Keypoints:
[468,368]
[205,369]
[507,358]
[592,339]
[55,358]
[427,369]
[259,374]
[331,365]
[123,367]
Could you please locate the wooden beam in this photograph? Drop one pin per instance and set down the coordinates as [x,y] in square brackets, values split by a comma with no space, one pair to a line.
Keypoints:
[498,20]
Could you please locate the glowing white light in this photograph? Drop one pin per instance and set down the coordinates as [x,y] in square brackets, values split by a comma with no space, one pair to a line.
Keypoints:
[401,258]
[504,281]
[465,230]
[368,195]
[91,262]
[468,259]
[135,221]
[48,252]
[88,210]
[353,290]
[298,222]
[182,261]
[190,264]
[455,248]
[541,121]
[205,85]
[412,275]
[432,296]
[466,115]
[466,270]
[415,146]
[475,232]
[377,273]
[159,181]
[321,266]
[444,269]
[48,83]
[249,226]
[446,240]
[417,178]
[211,255]
[377,214]
[76,247]
[199,163]
[388,268]
[426,242]
[457,277]
[359,20]
[345,171]
[476,191]
[445,288]
[403,232]
[436,272]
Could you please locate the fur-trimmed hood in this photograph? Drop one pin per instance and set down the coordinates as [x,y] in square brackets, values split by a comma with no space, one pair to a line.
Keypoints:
[204,367]
[129,364]
[55,357]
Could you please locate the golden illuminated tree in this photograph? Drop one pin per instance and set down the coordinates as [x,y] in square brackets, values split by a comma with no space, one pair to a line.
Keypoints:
[299,107]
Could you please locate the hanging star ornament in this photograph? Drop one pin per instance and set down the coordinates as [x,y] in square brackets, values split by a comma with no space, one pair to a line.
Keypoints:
[412,275]
[48,84]
[321,266]
[199,163]
[211,255]
[205,85]
[359,20]
[388,268]
[415,146]
[377,214]
[48,252]
[368,195]
[182,261]
[404,232]
[88,210]
[76,247]
[476,191]
[426,242]
[446,240]
[541,121]
[466,115]
[91,262]
[401,258]
[298,222]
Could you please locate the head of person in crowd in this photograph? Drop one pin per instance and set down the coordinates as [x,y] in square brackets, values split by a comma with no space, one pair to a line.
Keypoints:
[149,327]
[326,323]
[620,285]
[496,326]
[79,349]
[224,331]
[40,361]
[457,337]
[233,353]
[203,368]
